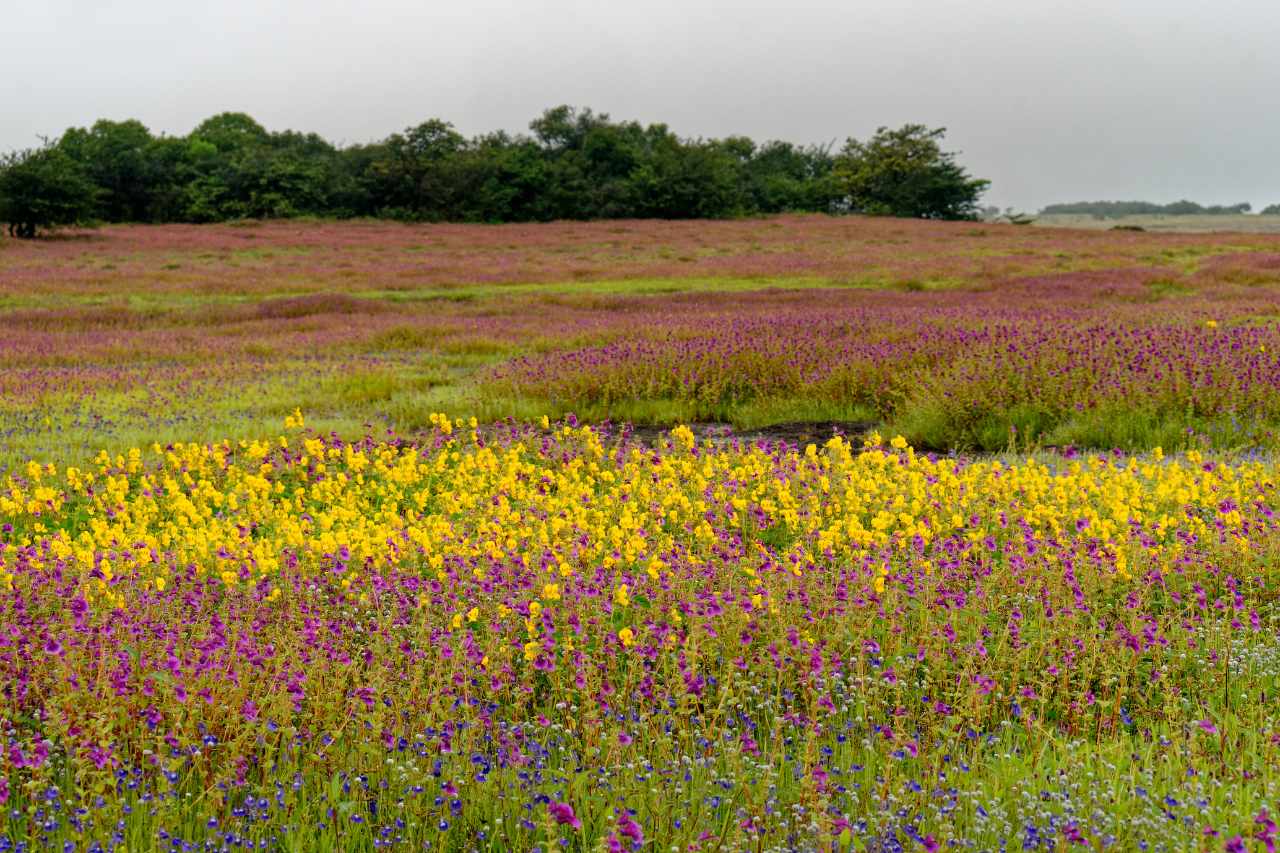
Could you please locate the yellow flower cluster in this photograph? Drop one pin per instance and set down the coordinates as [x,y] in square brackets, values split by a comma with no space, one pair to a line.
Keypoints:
[235,510]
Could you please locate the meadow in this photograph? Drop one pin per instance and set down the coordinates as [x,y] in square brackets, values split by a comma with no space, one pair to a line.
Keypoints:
[320,536]
[954,335]
[1183,223]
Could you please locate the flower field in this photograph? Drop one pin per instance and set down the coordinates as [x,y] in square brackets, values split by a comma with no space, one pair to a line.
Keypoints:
[266,584]
[558,637]
[955,335]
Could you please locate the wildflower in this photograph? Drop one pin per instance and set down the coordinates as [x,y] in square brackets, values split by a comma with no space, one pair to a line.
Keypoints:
[627,637]
[629,828]
[1266,830]
[563,814]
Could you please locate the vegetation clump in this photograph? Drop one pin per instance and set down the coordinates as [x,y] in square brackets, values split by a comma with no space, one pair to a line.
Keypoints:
[574,164]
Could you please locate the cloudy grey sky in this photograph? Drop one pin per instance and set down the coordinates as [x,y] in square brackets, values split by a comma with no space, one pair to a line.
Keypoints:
[1052,100]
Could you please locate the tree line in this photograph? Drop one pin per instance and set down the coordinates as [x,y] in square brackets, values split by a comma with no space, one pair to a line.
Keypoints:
[572,164]
[1117,209]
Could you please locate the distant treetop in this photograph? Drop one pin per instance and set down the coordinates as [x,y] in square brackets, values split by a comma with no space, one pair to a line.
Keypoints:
[575,164]
[1117,209]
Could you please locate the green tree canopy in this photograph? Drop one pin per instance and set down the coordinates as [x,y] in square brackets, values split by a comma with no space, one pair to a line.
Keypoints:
[571,164]
[44,188]
[115,155]
[1117,209]
[906,173]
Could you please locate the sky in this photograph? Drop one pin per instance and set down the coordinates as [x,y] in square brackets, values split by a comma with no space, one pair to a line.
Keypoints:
[1051,100]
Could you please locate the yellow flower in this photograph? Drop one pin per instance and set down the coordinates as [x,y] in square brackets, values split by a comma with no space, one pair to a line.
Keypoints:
[551,592]
[627,637]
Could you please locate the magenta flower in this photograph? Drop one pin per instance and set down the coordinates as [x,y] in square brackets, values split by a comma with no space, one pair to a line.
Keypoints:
[1266,830]
[630,829]
[563,813]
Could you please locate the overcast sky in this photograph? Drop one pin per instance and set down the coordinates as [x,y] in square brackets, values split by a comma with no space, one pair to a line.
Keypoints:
[1052,100]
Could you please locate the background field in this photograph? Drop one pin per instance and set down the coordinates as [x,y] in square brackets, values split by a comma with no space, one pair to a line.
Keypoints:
[955,334]
[1240,224]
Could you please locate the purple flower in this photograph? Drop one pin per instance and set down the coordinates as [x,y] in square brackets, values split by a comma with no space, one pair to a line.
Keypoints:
[563,813]
[1266,830]
[630,829]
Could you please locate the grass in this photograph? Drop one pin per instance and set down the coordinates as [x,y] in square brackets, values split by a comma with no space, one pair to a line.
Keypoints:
[1241,223]
[361,323]
[739,648]
[869,647]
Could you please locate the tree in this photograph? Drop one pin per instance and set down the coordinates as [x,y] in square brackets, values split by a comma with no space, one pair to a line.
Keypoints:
[231,132]
[1270,210]
[906,173]
[116,157]
[676,179]
[782,177]
[415,175]
[43,188]
[1117,209]
[574,163]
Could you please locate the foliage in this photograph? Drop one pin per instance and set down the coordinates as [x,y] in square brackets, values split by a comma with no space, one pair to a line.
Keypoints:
[574,164]
[1270,210]
[1117,209]
[906,173]
[43,188]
